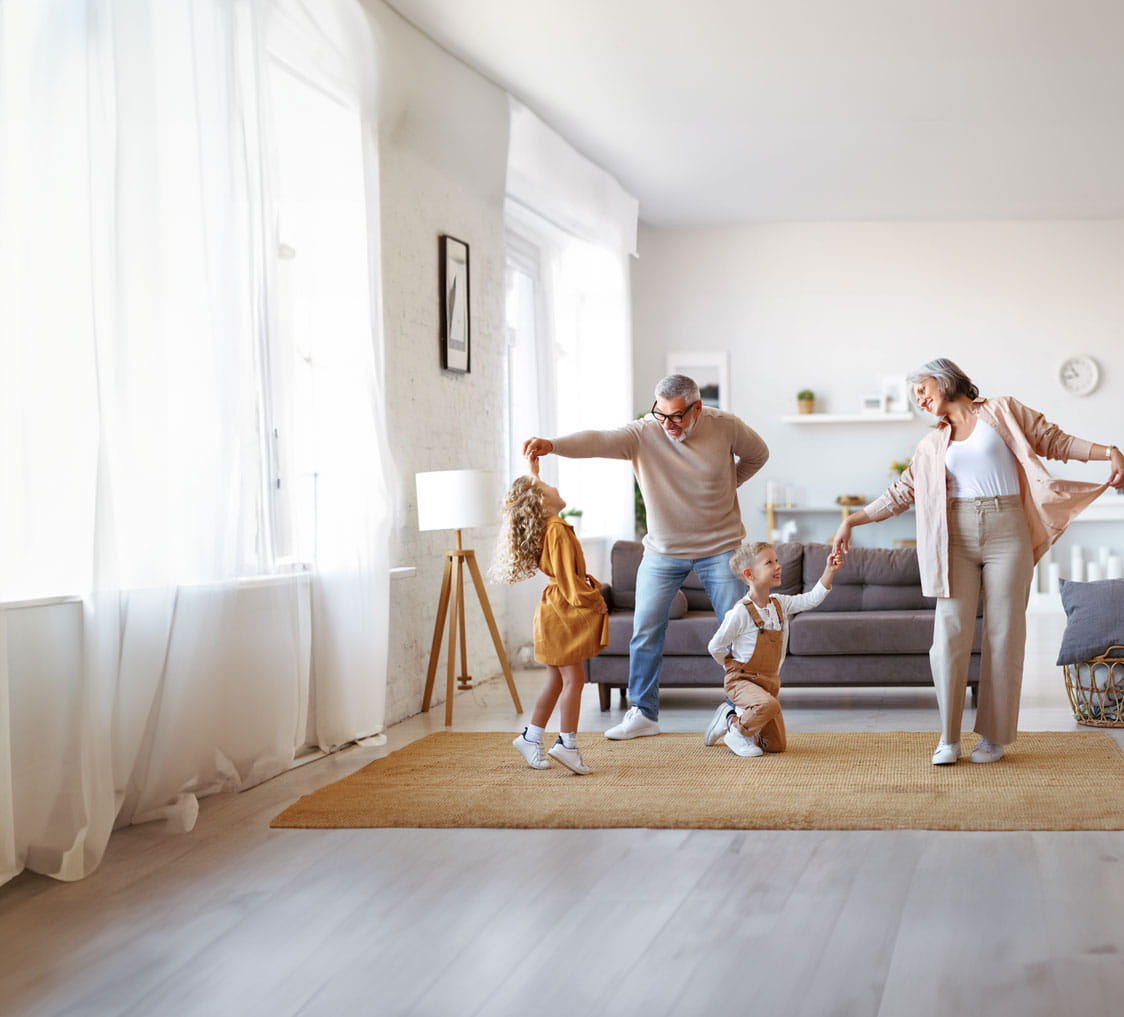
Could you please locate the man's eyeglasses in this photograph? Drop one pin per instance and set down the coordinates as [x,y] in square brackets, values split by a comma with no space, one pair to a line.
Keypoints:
[675,418]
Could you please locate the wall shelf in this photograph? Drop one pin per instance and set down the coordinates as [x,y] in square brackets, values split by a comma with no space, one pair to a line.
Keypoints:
[829,510]
[848,418]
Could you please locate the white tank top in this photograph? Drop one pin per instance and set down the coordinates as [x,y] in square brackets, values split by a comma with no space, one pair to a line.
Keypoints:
[981,466]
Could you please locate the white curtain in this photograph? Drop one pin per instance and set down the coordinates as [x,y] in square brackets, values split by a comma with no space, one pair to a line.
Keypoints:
[140,328]
[328,48]
[582,225]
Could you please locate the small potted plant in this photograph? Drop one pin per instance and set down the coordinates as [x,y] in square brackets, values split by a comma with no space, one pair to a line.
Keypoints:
[806,400]
[898,467]
[574,515]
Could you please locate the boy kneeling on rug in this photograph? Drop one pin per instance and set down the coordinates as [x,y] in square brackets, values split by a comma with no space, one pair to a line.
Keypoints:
[750,644]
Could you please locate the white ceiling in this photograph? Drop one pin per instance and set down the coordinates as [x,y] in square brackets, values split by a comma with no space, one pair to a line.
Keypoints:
[720,111]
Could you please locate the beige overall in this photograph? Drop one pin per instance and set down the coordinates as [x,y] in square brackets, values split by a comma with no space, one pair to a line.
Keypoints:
[754,685]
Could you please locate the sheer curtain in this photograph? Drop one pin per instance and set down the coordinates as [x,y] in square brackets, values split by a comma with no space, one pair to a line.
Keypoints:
[581,226]
[328,230]
[153,647]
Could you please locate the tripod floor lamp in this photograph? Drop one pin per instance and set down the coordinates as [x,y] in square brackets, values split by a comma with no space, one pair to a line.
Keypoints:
[456,500]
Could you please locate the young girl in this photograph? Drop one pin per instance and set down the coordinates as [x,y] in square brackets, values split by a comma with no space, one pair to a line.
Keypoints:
[750,645]
[571,621]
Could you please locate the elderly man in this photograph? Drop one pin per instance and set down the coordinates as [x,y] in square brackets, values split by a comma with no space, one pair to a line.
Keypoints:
[689,461]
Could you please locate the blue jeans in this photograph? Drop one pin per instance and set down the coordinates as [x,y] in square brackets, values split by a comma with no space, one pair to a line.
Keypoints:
[657,581]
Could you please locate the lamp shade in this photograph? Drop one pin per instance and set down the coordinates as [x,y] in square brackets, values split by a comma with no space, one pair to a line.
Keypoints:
[456,499]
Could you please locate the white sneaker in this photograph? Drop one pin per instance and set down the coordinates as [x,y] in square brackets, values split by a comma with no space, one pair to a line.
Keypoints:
[945,754]
[634,725]
[986,752]
[719,724]
[531,751]
[739,745]
[571,758]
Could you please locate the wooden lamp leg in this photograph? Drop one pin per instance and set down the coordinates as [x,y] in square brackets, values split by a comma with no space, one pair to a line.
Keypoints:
[464,679]
[438,631]
[458,607]
[450,610]
[486,606]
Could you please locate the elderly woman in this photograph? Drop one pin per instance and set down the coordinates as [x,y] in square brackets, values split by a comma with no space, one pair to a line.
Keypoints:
[987,510]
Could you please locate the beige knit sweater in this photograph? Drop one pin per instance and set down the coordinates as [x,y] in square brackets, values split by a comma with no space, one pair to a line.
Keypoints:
[690,487]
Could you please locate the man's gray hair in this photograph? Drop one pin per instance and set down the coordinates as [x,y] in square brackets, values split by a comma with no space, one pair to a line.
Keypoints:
[952,381]
[675,386]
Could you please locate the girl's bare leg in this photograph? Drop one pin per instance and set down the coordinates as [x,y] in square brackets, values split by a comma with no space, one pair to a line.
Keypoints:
[572,679]
[544,707]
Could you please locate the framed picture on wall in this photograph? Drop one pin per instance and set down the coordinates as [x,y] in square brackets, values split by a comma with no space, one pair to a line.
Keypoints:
[710,372]
[456,325]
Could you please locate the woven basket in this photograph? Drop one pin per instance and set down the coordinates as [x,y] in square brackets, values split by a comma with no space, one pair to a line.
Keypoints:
[1096,689]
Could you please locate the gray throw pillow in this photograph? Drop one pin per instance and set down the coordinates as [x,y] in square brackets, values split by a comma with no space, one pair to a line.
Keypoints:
[1094,619]
[678,606]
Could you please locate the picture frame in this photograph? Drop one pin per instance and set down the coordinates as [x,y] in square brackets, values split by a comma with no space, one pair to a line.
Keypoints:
[710,371]
[456,319]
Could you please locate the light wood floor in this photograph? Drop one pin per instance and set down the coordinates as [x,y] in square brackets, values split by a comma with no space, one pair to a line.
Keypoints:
[238,919]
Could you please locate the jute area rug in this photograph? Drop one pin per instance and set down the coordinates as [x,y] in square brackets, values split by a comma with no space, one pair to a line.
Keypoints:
[846,781]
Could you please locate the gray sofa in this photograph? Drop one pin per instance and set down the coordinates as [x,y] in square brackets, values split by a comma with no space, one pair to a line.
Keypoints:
[874,629]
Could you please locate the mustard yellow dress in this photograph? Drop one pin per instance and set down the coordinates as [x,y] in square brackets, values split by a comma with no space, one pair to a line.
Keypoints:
[568,626]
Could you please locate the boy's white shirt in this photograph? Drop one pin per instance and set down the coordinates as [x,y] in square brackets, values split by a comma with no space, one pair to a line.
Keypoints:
[737,635]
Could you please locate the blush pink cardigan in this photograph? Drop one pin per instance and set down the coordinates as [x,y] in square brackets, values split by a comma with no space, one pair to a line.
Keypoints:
[1050,504]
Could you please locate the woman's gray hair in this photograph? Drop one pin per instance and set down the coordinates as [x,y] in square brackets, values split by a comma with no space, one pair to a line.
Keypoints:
[675,386]
[952,381]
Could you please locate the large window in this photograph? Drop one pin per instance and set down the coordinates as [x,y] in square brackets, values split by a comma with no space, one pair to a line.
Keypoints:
[530,359]
[571,230]
[569,361]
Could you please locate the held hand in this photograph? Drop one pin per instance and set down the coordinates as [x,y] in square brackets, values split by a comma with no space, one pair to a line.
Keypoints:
[537,447]
[1116,469]
[841,542]
[833,564]
[533,465]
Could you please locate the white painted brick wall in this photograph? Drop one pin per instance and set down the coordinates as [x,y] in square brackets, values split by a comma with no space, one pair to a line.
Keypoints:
[437,420]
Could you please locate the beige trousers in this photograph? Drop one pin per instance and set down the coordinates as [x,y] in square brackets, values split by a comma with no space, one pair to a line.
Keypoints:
[756,694]
[989,550]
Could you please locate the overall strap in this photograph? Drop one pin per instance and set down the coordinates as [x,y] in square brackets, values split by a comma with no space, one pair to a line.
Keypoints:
[756,618]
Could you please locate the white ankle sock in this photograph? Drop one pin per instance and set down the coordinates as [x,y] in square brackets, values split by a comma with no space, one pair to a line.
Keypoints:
[534,734]
[570,740]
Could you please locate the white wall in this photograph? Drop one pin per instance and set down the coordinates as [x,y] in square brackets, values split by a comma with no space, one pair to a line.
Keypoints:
[443,154]
[836,306]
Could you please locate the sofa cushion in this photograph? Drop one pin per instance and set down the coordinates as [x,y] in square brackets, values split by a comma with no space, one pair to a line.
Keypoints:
[790,557]
[1094,615]
[865,632]
[690,635]
[678,606]
[687,637]
[625,560]
[872,579]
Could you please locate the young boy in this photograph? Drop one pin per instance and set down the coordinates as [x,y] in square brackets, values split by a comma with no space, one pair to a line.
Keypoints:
[750,644]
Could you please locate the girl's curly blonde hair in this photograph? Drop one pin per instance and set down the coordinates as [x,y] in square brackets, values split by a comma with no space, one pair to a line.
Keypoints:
[519,548]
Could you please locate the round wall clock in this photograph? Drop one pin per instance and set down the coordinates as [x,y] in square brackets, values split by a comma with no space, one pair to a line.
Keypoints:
[1079,374]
